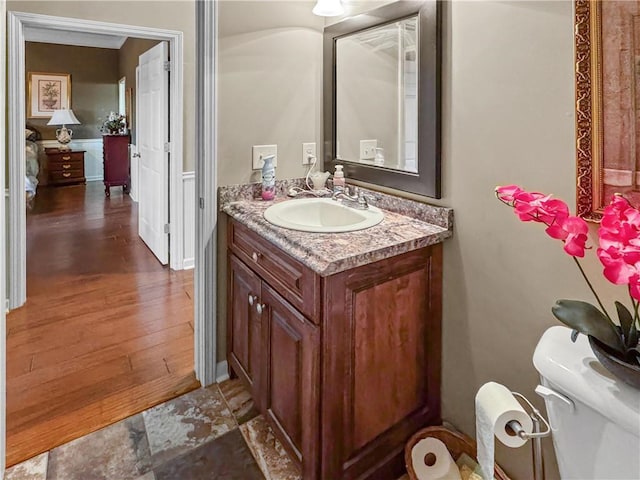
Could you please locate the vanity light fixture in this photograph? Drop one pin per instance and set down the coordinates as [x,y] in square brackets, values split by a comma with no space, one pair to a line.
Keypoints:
[328,8]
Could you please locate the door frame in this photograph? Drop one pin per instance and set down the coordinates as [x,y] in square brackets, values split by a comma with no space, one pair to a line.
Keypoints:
[16,100]
[207,369]
[3,250]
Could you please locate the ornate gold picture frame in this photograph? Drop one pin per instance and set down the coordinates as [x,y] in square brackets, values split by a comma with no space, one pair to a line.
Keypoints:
[607,64]
[588,110]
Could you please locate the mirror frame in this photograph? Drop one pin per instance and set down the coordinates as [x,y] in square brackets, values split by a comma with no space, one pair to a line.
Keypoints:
[589,131]
[428,179]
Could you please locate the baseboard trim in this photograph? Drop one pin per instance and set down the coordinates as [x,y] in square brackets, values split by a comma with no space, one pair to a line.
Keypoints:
[188,263]
[222,372]
[95,179]
[189,220]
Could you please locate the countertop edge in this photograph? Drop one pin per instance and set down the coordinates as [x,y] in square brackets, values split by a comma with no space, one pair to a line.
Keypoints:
[278,236]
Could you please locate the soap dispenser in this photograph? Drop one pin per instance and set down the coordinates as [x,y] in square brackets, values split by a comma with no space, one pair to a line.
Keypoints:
[268,178]
[338,179]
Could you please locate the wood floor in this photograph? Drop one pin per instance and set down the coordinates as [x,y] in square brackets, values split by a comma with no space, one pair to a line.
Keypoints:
[106,332]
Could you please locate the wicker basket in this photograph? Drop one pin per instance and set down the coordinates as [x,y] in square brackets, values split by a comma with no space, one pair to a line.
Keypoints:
[457,443]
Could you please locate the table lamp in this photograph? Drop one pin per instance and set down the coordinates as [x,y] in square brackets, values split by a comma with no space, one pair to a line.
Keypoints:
[63,117]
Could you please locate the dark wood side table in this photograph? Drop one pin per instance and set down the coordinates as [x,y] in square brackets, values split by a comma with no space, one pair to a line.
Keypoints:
[65,167]
[116,162]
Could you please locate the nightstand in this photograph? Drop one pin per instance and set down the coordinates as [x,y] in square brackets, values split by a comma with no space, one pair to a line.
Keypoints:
[65,166]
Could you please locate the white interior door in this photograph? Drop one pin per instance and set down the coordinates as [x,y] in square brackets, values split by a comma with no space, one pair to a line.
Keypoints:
[152,131]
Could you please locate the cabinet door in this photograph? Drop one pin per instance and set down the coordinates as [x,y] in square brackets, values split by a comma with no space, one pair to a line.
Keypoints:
[244,324]
[291,379]
[381,362]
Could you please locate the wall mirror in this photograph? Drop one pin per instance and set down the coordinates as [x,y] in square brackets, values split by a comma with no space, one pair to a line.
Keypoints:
[607,40]
[382,96]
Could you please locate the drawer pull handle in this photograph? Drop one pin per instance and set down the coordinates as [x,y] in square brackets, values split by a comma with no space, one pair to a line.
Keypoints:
[66,166]
[256,256]
[67,157]
[66,174]
[252,299]
[261,307]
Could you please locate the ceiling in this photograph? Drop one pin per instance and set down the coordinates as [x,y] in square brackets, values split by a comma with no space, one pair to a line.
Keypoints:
[79,39]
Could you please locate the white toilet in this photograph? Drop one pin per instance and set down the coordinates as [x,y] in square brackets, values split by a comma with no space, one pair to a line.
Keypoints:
[595,418]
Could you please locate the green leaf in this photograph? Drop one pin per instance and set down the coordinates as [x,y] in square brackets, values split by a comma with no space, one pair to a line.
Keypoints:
[626,320]
[588,320]
[634,354]
[633,337]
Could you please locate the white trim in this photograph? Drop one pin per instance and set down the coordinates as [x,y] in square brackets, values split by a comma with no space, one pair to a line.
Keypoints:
[17,236]
[222,372]
[189,220]
[620,178]
[17,202]
[135,173]
[206,193]
[3,224]
[45,35]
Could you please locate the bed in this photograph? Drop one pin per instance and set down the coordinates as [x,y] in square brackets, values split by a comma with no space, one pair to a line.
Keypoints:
[32,166]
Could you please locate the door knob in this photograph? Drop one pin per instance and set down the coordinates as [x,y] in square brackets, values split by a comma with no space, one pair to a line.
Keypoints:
[252,299]
[260,308]
[255,256]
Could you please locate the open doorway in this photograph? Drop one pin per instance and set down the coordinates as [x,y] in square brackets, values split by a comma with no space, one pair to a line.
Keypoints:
[107,330]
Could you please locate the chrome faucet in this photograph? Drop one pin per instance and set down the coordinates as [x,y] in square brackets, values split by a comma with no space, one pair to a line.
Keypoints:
[357,199]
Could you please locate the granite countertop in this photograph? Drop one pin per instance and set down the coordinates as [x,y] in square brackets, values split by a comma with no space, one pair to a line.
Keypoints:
[407,226]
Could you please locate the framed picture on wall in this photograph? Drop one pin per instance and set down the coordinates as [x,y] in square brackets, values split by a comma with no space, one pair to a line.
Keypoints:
[47,92]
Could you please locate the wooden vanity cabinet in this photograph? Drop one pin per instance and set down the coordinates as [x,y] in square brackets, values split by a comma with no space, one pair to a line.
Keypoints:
[246,334]
[347,367]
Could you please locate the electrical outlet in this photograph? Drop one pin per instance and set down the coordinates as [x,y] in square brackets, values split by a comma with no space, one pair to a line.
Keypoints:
[368,149]
[260,151]
[307,150]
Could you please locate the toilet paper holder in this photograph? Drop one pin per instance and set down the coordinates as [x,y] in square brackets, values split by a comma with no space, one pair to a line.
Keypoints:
[536,435]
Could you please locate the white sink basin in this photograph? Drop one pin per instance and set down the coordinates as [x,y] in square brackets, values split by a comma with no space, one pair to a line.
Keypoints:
[321,215]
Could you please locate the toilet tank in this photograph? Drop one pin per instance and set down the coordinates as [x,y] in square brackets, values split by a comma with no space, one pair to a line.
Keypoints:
[595,418]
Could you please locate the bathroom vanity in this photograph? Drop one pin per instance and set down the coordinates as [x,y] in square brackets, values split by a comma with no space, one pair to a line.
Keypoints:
[338,336]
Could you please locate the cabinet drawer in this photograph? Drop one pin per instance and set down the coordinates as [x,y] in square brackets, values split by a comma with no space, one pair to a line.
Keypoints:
[66,176]
[65,157]
[66,165]
[295,282]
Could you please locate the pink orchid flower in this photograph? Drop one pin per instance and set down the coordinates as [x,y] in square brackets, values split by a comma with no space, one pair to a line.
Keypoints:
[508,192]
[537,207]
[573,232]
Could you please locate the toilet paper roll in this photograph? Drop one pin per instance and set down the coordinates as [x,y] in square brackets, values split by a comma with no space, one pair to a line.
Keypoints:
[444,467]
[495,408]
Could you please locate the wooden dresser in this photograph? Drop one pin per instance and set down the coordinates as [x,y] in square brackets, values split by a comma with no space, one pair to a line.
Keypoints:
[116,162]
[65,167]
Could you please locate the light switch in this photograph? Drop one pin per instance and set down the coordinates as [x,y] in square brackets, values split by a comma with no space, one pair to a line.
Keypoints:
[260,151]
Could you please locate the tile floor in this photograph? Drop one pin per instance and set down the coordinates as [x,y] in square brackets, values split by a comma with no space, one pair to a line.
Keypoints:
[209,433]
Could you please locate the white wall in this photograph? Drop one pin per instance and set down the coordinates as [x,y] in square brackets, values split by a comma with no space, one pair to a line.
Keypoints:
[508,117]
[269,84]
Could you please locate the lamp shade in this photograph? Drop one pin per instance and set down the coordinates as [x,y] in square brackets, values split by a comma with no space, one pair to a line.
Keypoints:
[63,117]
[328,8]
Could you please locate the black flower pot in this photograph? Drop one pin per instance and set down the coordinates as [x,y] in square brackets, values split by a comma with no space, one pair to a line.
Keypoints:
[628,373]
